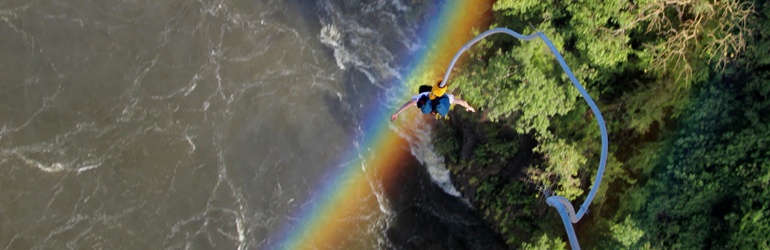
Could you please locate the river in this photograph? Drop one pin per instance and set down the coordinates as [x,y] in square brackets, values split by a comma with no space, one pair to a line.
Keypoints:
[131,124]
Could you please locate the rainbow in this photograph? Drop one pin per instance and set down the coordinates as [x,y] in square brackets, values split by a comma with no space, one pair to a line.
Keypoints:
[346,192]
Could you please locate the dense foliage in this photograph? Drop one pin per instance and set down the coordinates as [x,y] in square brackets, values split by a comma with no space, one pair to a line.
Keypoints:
[684,87]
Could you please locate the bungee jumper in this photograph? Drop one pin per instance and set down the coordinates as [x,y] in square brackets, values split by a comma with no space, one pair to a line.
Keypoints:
[433,102]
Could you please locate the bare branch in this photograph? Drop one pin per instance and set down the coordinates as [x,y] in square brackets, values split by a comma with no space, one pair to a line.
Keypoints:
[715,34]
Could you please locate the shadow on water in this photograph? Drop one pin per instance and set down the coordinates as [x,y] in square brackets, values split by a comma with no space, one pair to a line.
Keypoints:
[425,217]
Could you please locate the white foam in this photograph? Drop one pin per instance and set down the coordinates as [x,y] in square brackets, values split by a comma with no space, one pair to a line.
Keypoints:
[400,6]
[419,135]
[356,41]
[330,36]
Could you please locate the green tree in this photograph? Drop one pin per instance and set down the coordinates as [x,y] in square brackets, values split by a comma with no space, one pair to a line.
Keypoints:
[627,235]
[545,242]
[708,182]
[523,85]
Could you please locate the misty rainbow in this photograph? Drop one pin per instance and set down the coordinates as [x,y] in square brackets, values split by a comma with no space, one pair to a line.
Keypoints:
[323,221]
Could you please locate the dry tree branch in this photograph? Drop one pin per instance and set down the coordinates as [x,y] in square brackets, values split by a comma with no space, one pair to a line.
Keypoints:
[691,30]
[732,32]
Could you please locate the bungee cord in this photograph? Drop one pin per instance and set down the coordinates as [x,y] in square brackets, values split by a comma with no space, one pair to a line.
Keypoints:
[562,205]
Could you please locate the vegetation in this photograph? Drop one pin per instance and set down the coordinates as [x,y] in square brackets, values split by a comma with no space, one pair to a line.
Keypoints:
[684,86]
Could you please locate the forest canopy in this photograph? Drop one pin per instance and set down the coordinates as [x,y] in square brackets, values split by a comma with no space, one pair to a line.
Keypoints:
[683,86]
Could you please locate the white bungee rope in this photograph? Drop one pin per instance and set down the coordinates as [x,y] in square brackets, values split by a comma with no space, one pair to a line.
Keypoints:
[562,205]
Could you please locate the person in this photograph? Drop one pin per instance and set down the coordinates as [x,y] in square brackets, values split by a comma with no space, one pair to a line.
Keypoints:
[439,105]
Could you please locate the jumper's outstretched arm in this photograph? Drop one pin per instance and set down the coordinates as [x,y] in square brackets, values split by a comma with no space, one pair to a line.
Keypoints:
[464,104]
[403,107]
